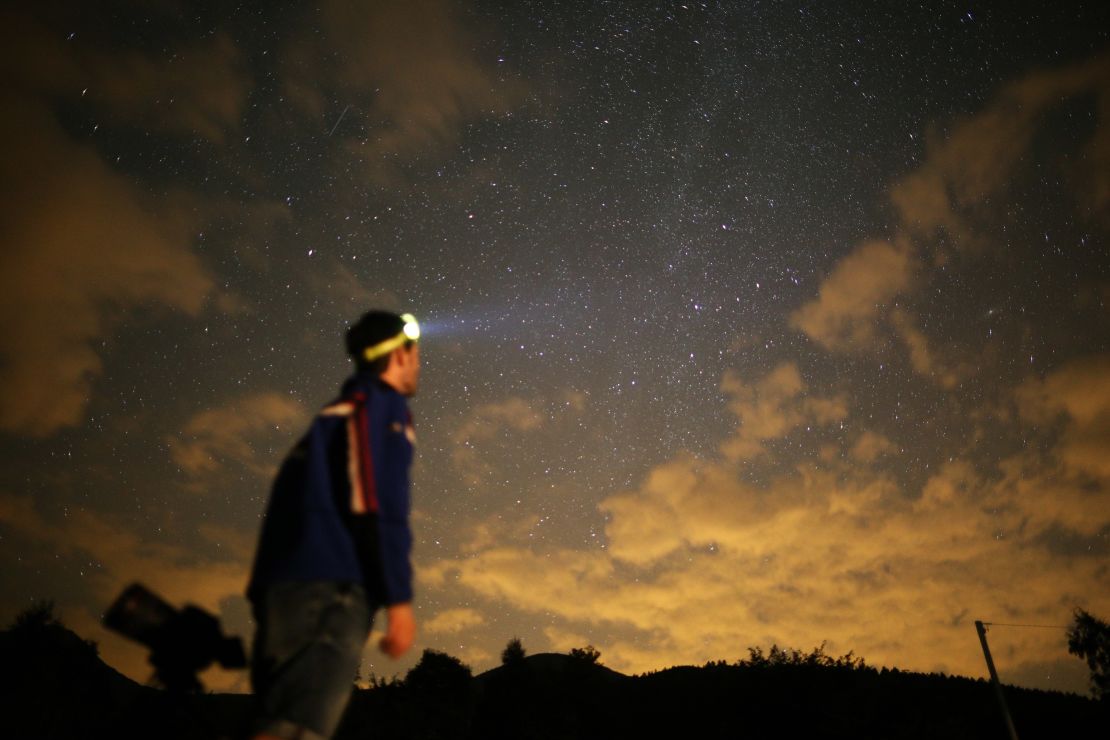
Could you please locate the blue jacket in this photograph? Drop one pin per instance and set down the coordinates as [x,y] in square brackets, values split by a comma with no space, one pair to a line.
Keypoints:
[339,509]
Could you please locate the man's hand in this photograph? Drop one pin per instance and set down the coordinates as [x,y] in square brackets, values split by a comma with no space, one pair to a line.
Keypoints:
[400,630]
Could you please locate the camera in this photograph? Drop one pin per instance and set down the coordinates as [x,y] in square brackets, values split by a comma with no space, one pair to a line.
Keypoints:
[182,642]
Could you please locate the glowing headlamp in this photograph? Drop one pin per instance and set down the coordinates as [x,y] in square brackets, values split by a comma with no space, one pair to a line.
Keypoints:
[410,332]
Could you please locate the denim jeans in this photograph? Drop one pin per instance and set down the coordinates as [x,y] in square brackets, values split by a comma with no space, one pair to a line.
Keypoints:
[307,650]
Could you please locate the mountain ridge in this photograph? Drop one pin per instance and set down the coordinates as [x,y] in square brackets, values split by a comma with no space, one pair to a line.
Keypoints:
[53,684]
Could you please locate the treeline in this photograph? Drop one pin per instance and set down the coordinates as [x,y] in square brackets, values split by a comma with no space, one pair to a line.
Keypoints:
[53,685]
[781,692]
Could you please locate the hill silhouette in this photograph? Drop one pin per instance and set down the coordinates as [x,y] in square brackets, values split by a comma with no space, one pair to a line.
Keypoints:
[50,676]
[552,668]
[54,685]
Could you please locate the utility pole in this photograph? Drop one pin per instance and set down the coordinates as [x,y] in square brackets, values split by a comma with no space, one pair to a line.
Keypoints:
[994,679]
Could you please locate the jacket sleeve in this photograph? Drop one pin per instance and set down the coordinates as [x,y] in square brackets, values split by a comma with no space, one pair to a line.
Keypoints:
[394,505]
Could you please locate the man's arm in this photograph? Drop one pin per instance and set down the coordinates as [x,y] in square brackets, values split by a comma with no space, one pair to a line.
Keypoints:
[400,630]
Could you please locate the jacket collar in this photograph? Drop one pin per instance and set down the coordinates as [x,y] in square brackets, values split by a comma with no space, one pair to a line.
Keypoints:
[365,381]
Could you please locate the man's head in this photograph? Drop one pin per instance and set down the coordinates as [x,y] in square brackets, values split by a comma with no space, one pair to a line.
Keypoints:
[385,343]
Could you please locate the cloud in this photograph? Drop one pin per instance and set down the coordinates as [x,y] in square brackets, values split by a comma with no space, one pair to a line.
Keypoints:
[870,446]
[349,293]
[975,161]
[483,534]
[898,585]
[483,427]
[200,90]
[962,184]
[702,559]
[178,574]
[858,291]
[526,578]
[1096,193]
[923,359]
[83,249]
[409,71]
[126,556]
[771,408]
[701,563]
[1077,397]
[85,246]
[196,88]
[564,641]
[453,621]
[228,436]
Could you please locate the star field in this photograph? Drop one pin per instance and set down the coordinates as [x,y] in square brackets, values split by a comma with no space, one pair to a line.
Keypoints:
[743,322]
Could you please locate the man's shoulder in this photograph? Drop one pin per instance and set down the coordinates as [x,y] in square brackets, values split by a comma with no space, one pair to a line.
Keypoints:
[340,407]
[372,393]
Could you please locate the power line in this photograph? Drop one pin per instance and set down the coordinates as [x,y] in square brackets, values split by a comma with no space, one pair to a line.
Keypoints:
[1039,626]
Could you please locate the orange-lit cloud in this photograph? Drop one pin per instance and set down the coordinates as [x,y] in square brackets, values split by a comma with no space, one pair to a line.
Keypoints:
[771,408]
[453,621]
[701,563]
[563,640]
[350,292]
[1076,397]
[484,534]
[870,446]
[199,91]
[858,291]
[229,435]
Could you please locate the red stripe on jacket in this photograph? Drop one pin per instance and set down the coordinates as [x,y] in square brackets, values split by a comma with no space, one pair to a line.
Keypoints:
[367,485]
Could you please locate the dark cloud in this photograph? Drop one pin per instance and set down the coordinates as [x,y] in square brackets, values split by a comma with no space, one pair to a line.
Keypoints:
[409,71]
[84,249]
[969,171]
[191,88]
[86,245]
[974,162]
[230,436]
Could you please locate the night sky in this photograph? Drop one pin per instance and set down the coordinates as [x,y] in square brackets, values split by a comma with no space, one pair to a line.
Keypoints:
[744,322]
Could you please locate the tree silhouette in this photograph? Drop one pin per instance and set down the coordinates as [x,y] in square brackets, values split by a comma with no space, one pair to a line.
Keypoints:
[441,689]
[513,652]
[438,672]
[37,631]
[35,617]
[588,654]
[1089,639]
[816,658]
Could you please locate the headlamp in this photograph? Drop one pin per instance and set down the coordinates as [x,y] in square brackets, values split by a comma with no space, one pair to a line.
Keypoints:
[410,332]
[411,328]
